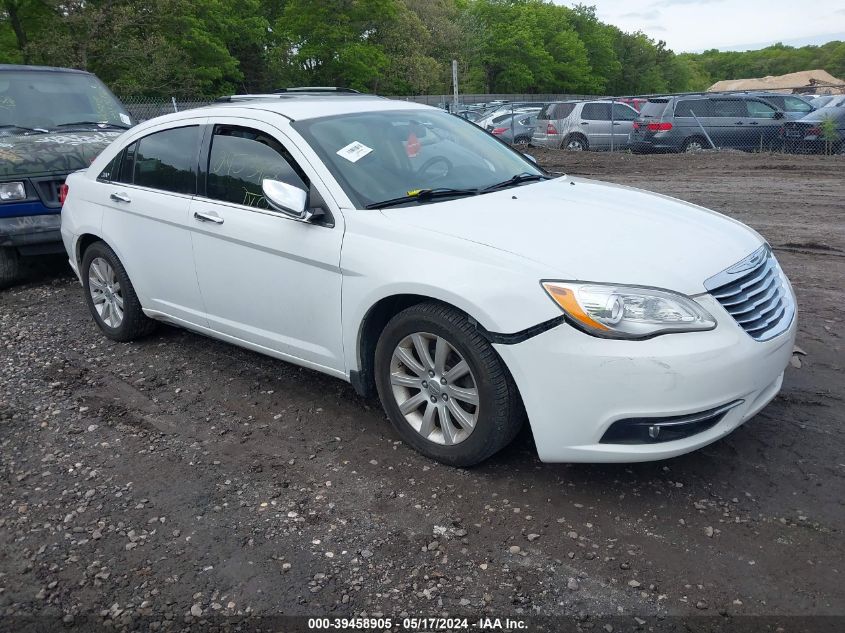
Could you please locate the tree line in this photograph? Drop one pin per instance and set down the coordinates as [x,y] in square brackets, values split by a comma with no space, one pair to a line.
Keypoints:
[205,48]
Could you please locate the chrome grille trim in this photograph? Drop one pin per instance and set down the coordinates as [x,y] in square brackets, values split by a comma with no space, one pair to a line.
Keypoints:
[756,293]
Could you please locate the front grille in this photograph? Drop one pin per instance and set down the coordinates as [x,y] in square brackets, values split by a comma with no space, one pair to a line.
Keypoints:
[48,190]
[756,294]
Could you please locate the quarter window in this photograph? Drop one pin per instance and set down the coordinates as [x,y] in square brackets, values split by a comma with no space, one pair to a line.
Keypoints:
[166,160]
[241,158]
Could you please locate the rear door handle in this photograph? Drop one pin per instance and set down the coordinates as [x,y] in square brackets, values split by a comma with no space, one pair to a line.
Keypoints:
[754,123]
[208,217]
[738,123]
[584,123]
[120,197]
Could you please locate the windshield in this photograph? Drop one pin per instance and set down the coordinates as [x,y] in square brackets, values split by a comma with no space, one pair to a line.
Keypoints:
[43,100]
[377,156]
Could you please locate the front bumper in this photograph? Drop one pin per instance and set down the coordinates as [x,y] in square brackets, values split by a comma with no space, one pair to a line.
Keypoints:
[32,234]
[574,386]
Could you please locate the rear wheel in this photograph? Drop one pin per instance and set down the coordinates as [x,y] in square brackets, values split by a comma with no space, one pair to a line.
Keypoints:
[695,144]
[10,267]
[444,388]
[522,141]
[111,297]
[575,143]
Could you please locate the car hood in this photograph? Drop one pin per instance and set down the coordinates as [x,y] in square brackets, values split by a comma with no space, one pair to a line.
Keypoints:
[579,229]
[52,153]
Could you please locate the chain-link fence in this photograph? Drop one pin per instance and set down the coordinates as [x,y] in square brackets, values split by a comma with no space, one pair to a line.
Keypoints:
[744,121]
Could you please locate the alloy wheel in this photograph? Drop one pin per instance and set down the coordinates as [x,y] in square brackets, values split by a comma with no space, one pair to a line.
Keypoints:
[575,145]
[694,146]
[105,291]
[434,388]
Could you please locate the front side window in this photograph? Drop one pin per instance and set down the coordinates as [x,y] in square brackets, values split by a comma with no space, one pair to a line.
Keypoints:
[596,112]
[378,156]
[167,160]
[760,110]
[794,104]
[240,159]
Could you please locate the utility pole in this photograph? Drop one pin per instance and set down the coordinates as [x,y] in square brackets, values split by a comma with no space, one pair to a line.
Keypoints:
[454,85]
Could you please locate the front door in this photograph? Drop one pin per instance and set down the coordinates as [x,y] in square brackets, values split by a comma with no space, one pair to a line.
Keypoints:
[266,278]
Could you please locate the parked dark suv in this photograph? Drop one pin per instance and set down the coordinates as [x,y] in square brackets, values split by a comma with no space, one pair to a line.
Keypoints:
[684,123]
[52,121]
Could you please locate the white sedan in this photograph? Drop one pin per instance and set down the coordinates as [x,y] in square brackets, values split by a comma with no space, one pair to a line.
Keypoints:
[406,251]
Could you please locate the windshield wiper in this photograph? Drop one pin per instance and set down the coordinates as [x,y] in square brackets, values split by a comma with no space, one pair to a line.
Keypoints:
[97,123]
[515,180]
[422,195]
[39,130]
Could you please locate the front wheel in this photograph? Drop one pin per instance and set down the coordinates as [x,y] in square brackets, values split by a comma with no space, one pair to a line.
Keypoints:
[111,297]
[444,388]
[10,267]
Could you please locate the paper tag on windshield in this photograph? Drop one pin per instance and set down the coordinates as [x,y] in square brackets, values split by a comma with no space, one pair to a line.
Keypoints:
[126,120]
[354,152]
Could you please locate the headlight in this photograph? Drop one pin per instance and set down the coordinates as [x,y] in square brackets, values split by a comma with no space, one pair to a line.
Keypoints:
[627,312]
[12,191]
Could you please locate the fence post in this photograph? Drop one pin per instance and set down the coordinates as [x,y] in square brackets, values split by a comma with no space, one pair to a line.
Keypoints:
[612,122]
[173,99]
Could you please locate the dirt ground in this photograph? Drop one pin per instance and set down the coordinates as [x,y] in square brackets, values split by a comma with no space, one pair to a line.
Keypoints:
[178,479]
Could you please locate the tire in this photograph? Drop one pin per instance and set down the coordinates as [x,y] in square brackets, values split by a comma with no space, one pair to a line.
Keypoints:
[133,323]
[10,267]
[575,143]
[695,144]
[498,415]
[522,141]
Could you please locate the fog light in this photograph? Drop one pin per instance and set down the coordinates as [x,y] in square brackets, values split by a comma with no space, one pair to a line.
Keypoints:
[12,191]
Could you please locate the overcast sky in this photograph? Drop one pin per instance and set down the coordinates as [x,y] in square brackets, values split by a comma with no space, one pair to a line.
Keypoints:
[696,25]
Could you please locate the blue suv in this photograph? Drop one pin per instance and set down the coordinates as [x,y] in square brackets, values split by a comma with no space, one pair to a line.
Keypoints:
[53,121]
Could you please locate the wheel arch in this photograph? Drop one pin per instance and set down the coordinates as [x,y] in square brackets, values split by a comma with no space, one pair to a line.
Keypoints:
[371,327]
[83,242]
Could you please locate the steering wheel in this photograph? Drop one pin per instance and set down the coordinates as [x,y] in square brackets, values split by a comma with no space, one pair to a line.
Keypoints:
[440,173]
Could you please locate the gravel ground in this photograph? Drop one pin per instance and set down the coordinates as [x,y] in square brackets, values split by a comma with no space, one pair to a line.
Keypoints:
[177,479]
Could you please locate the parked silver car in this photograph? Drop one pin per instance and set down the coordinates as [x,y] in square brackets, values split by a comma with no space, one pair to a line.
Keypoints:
[515,129]
[581,125]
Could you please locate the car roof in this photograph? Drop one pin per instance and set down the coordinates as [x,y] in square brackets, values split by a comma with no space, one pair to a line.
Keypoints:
[41,69]
[302,106]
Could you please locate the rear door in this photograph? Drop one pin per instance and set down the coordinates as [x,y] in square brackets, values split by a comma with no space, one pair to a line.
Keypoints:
[595,124]
[729,125]
[147,198]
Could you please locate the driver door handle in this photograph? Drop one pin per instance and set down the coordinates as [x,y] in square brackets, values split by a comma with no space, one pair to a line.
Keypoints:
[208,217]
[120,197]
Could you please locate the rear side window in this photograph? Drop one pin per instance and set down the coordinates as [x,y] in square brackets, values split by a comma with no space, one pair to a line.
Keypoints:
[688,107]
[596,112]
[794,104]
[168,160]
[653,108]
[240,159]
[729,108]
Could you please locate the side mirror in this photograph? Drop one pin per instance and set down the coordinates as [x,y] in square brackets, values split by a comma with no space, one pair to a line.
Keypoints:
[531,158]
[285,198]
